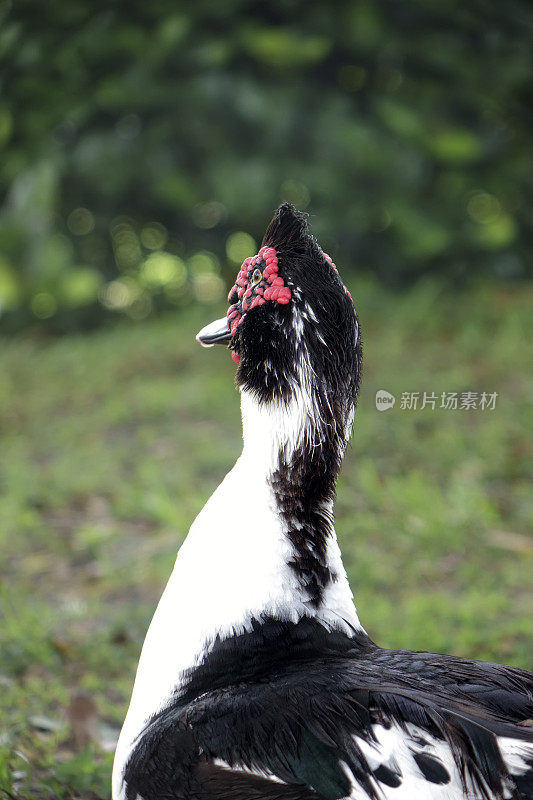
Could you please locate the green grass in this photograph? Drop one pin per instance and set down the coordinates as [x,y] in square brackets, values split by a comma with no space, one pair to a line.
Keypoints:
[112,442]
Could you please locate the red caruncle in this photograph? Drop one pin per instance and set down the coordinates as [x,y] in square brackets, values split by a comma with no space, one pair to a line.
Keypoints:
[255,292]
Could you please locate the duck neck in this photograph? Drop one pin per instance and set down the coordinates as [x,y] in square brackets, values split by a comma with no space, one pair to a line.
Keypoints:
[299,445]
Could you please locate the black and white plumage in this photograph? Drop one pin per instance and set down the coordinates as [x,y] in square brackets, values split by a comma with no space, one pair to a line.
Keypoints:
[256,679]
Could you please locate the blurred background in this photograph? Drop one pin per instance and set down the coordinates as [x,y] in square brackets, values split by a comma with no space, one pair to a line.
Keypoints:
[144,149]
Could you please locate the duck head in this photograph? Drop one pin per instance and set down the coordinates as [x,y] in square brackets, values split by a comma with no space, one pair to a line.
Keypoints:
[291,325]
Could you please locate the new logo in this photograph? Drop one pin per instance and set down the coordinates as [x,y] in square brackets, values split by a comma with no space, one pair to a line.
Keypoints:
[384,400]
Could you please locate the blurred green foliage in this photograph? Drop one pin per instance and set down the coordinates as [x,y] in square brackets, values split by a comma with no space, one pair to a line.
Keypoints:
[144,145]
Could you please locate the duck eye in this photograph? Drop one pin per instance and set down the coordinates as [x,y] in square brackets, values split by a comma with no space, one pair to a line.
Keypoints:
[257,277]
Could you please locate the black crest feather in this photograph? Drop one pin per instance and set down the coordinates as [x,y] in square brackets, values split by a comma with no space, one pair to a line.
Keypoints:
[288,230]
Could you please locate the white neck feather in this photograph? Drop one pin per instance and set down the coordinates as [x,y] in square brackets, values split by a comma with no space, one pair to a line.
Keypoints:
[233,567]
[268,428]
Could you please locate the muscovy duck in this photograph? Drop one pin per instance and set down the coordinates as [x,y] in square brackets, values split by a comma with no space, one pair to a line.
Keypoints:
[256,679]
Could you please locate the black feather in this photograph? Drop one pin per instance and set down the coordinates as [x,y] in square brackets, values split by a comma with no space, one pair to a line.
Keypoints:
[385,775]
[288,231]
[524,783]
[431,769]
[289,698]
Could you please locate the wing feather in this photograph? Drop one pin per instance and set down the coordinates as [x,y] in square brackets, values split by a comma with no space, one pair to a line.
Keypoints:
[367,729]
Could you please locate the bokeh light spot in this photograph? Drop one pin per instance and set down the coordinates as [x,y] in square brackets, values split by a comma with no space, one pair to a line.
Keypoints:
[208,288]
[44,305]
[498,232]
[119,294]
[203,263]
[80,221]
[161,268]
[125,244]
[154,236]
[483,207]
[207,215]
[80,286]
[239,246]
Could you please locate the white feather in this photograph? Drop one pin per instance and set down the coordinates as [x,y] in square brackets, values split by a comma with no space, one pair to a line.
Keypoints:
[394,748]
[516,754]
[247,770]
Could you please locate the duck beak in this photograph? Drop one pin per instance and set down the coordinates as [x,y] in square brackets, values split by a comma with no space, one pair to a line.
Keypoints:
[216,332]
